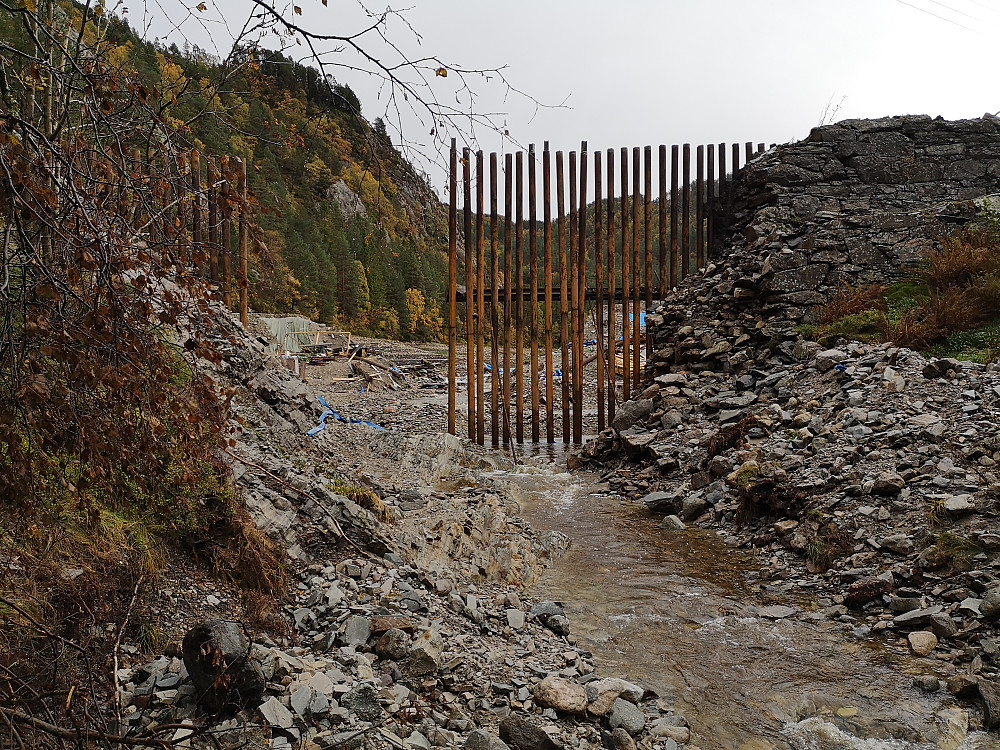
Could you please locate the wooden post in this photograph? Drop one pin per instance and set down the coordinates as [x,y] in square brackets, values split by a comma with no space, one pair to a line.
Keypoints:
[647,218]
[244,245]
[574,289]
[736,160]
[710,203]
[494,309]
[563,294]
[612,346]
[519,289]
[626,282]
[722,172]
[470,287]
[533,290]
[661,205]
[452,285]
[226,239]
[686,215]
[700,207]
[636,278]
[547,271]
[599,286]
[508,288]
[581,309]
[675,251]
[748,146]
[480,305]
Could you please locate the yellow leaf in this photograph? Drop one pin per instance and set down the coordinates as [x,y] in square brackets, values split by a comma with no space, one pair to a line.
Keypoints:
[99,11]
[298,10]
[30,6]
[202,7]
[443,72]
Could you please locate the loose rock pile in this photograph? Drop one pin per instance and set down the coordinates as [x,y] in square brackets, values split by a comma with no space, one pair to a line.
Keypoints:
[408,635]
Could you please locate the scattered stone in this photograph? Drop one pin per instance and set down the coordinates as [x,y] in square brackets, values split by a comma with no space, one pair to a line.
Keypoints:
[922,642]
[521,734]
[562,695]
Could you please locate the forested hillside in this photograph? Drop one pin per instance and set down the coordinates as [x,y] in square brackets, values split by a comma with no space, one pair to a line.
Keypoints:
[352,234]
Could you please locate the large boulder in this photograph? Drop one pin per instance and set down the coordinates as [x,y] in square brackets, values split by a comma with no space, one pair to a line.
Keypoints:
[217,655]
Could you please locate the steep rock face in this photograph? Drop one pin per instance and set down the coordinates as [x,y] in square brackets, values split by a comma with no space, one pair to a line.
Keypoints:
[854,201]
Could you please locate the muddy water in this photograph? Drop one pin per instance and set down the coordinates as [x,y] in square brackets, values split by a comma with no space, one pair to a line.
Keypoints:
[674,611]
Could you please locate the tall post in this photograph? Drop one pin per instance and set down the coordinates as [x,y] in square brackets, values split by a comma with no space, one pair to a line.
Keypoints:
[508,287]
[700,207]
[547,271]
[582,306]
[470,286]
[519,290]
[626,283]
[561,241]
[452,285]
[244,245]
[636,265]
[675,250]
[710,203]
[686,214]
[612,344]
[661,205]
[533,291]
[574,288]
[480,305]
[494,309]
[647,218]
[599,285]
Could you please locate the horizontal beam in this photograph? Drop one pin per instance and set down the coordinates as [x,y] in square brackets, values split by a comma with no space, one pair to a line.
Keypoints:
[591,294]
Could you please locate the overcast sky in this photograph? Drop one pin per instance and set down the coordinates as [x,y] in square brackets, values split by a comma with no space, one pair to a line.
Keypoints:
[637,72]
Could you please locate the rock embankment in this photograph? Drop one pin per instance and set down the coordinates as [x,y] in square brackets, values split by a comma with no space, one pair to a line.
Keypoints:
[854,202]
[864,476]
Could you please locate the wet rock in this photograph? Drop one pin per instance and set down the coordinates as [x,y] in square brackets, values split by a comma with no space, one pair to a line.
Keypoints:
[562,695]
[963,686]
[990,693]
[218,659]
[868,589]
[922,642]
[521,734]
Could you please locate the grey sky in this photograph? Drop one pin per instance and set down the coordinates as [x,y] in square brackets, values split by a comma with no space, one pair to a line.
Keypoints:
[638,72]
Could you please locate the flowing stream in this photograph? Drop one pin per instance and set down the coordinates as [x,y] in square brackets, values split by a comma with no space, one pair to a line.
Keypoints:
[678,612]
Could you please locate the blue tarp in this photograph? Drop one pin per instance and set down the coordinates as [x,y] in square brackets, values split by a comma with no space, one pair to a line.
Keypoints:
[331,413]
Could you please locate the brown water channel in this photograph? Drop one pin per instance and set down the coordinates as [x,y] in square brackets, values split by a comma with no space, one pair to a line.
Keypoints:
[675,612]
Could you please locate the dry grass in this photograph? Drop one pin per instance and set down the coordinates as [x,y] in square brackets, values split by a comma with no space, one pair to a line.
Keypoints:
[956,289]
[369,500]
[853,300]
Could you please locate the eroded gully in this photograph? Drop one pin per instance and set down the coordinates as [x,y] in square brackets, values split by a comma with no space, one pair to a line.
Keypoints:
[678,612]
